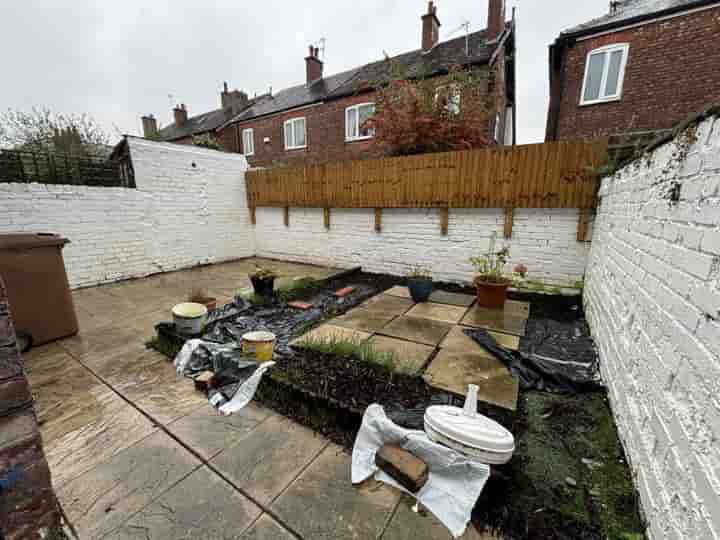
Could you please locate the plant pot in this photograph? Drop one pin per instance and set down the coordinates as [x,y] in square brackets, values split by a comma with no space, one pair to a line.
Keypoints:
[210,303]
[263,286]
[420,289]
[491,295]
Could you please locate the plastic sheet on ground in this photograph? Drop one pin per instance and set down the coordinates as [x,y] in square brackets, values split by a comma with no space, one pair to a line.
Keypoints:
[454,483]
[575,372]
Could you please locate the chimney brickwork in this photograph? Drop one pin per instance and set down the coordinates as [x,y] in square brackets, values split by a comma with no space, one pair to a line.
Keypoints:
[180,114]
[313,65]
[496,19]
[430,28]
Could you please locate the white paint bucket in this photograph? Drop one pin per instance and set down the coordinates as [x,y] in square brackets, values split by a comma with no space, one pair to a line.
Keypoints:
[189,318]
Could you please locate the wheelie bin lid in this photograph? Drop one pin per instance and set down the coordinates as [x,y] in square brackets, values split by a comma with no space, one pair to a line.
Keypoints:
[31,240]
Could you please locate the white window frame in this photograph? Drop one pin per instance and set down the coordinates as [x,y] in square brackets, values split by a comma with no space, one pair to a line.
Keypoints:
[606,51]
[251,133]
[292,122]
[453,91]
[357,137]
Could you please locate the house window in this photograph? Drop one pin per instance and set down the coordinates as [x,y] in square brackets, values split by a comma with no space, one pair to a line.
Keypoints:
[248,142]
[295,135]
[449,96]
[355,117]
[604,74]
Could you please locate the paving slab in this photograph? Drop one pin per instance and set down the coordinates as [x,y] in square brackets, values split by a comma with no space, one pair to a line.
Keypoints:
[456,340]
[332,332]
[391,305]
[103,498]
[512,319]
[267,459]
[409,525]
[82,421]
[363,319]
[438,312]
[266,528]
[423,331]
[208,432]
[402,292]
[200,506]
[452,299]
[454,371]
[323,503]
[409,357]
[105,340]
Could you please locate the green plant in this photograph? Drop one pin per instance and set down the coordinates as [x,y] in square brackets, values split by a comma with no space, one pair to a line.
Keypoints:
[264,273]
[207,141]
[491,266]
[420,272]
[351,348]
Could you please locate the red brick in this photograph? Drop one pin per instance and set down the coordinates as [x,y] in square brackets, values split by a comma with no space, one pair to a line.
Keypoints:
[297,304]
[342,293]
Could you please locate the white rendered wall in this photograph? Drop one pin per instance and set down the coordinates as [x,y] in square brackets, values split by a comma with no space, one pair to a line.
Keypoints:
[652,299]
[545,240]
[180,215]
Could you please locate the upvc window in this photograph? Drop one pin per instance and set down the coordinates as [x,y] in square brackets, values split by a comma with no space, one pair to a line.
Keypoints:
[604,74]
[248,137]
[295,134]
[355,117]
[449,96]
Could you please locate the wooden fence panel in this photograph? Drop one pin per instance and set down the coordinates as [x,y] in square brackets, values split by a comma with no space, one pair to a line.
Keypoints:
[550,175]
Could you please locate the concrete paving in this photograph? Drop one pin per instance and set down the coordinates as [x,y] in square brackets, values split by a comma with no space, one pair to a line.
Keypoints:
[135,452]
[409,357]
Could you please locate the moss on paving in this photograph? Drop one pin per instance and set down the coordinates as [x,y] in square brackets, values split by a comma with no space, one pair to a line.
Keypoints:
[568,479]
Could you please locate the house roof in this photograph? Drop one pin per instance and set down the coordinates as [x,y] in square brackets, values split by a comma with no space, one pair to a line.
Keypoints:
[632,11]
[412,64]
[195,125]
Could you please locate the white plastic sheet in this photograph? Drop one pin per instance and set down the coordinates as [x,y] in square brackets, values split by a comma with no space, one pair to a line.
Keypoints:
[454,483]
[182,359]
[245,391]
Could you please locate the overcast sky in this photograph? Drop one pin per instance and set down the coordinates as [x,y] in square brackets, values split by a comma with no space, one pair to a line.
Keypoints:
[119,60]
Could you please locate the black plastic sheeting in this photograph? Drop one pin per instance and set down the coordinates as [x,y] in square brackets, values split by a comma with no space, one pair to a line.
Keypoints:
[556,357]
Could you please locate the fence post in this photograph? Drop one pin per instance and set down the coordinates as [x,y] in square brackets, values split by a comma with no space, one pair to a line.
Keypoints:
[444,220]
[509,221]
[326,218]
[378,220]
[286,216]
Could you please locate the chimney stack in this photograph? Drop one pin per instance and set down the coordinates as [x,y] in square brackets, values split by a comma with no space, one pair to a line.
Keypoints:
[149,124]
[430,28]
[233,101]
[496,19]
[180,113]
[313,65]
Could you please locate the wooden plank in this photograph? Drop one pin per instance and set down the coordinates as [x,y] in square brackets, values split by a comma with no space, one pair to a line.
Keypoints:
[252,215]
[378,220]
[583,223]
[286,216]
[509,221]
[326,217]
[444,221]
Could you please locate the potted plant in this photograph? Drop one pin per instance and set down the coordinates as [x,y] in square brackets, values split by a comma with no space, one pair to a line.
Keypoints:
[200,296]
[420,284]
[263,281]
[490,281]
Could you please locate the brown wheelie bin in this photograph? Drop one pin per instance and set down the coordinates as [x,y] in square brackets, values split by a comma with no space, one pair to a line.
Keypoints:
[33,269]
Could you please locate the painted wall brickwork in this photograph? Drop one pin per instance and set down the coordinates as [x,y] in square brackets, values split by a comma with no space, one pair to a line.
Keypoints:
[189,208]
[543,239]
[28,508]
[672,72]
[652,298]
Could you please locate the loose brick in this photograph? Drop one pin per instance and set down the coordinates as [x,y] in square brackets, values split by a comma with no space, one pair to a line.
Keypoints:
[409,471]
[297,304]
[345,291]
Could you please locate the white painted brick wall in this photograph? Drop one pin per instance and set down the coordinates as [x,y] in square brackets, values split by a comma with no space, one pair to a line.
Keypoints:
[545,240]
[179,215]
[652,298]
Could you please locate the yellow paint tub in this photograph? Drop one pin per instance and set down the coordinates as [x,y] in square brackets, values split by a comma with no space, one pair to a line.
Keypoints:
[260,345]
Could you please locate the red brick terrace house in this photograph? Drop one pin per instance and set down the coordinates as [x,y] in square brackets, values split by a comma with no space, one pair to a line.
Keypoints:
[637,71]
[321,119]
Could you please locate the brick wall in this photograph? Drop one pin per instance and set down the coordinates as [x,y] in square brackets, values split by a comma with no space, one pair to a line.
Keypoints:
[189,208]
[652,298]
[28,508]
[672,71]
[543,239]
[325,131]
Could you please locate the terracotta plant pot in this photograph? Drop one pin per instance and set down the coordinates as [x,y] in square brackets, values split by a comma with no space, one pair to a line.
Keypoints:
[491,295]
[209,303]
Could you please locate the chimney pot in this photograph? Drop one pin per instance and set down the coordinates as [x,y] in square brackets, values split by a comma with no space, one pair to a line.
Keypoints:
[313,66]
[430,28]
[149,125]
[496,19]
[180,114]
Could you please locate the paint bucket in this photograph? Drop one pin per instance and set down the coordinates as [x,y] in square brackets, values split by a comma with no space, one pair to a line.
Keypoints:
[189,318]
[260,345]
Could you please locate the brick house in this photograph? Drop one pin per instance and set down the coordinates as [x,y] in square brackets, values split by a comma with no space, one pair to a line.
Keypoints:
[636,72]
[321,120]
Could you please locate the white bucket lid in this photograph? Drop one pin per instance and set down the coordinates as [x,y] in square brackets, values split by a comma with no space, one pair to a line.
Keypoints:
[259,336]
[189,310]
[475,431]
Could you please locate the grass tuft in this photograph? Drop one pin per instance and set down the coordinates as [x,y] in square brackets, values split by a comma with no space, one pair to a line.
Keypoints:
[361,350]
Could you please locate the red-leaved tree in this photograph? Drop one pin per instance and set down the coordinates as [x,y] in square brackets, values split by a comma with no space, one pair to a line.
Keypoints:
[417,116]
